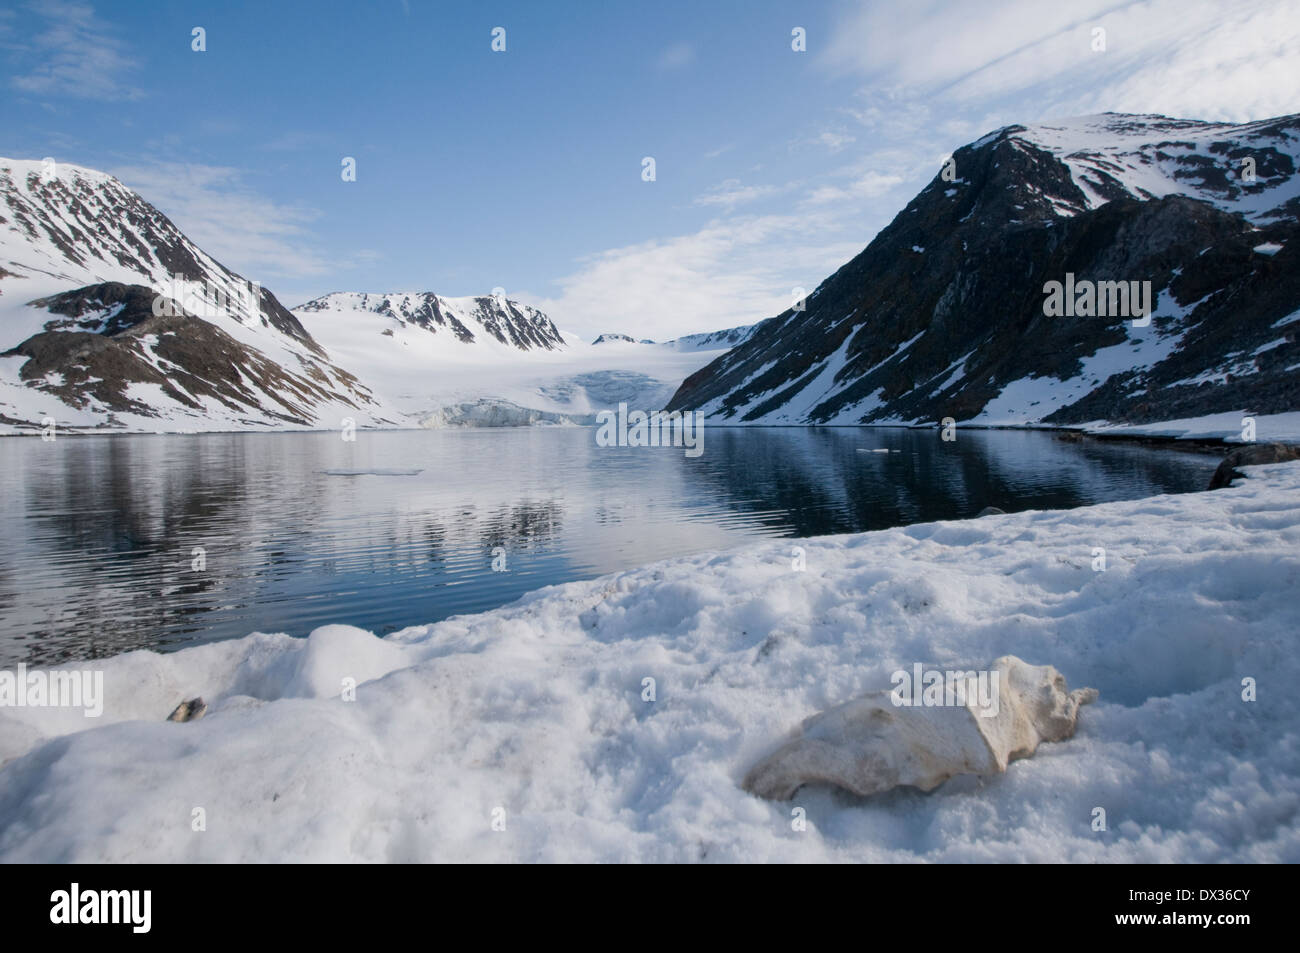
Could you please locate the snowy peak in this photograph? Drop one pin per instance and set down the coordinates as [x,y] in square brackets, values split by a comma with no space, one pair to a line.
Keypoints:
[1237,168]
[705,341]
[85,227]
[466,320]
[111,317]
[712,340]
[944,315]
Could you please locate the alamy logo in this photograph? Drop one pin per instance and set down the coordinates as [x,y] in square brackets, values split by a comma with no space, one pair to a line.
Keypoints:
[1101,299]
[936,689]
[132,907]
[657,428]
[53,689]
[206,299]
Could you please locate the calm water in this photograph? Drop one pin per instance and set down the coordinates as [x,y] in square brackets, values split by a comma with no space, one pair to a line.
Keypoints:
[99,532]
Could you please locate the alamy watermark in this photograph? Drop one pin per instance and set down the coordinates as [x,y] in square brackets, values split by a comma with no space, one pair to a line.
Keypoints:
[131,908]
[206,299]
[1101,299]
[938,689]
[658,428]
[55,688]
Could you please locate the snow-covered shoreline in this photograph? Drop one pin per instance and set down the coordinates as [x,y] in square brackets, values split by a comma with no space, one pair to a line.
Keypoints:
[536,716]
[1219,429]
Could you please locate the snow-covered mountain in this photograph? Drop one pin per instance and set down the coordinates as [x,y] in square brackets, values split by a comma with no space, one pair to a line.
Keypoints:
[467,320]
[111,318]
[706,341]
[712,340]
[491,361]
[943,314]
[615,336]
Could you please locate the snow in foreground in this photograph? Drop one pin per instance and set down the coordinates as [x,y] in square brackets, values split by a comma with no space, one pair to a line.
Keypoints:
[538,709]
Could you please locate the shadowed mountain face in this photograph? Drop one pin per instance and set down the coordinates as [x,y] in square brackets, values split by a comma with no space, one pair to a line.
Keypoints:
[111,339]
[119,320]
[943,314]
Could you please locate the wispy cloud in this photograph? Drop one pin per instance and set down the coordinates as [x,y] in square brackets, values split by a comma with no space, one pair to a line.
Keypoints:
[676,56]
[730,193]
[229,220]
[870,185]
[721,276]
[833,140]
[1189,58]
[76,54]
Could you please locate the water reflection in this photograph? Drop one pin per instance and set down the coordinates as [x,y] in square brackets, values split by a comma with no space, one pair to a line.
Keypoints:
[100,534]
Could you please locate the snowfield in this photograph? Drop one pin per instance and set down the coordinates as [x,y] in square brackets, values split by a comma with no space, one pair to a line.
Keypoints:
[438,380]
[534,714]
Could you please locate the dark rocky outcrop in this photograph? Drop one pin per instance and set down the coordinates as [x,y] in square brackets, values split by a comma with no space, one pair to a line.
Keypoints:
[1254,455]
[119,341]
[945,307]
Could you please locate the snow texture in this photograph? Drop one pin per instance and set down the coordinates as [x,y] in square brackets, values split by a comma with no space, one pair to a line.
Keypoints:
[539,716]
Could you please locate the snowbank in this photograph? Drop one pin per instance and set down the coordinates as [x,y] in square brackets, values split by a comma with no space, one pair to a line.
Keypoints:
[535,715]
[1226,427]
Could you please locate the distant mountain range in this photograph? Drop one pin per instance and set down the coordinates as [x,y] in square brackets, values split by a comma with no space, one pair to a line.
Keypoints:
[946,312]
[466,319]
[1008,291]
[488,361]
[110,318]
[708,341]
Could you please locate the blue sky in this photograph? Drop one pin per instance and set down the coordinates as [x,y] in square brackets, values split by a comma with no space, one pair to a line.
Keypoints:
[522,169]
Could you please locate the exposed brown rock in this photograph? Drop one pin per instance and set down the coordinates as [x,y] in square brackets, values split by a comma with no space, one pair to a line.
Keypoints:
[1253,455]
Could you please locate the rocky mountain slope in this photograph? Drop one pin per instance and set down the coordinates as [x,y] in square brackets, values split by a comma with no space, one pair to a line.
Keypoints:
[943,314]
[111,318]
[712,340]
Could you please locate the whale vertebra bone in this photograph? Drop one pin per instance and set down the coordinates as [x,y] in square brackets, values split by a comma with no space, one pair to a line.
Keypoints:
[873,743]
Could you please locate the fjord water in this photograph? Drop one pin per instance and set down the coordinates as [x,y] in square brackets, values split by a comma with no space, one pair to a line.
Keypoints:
[400,527]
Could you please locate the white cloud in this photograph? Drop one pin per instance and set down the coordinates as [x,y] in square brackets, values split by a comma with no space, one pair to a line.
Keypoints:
[77,55]
[868,186]
[242,229]
[731,193]
[726,274]
[1196,59]
[834,140]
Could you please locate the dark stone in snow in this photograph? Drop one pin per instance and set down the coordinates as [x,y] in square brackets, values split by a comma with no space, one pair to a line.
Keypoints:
[191,710]
[1249,457]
